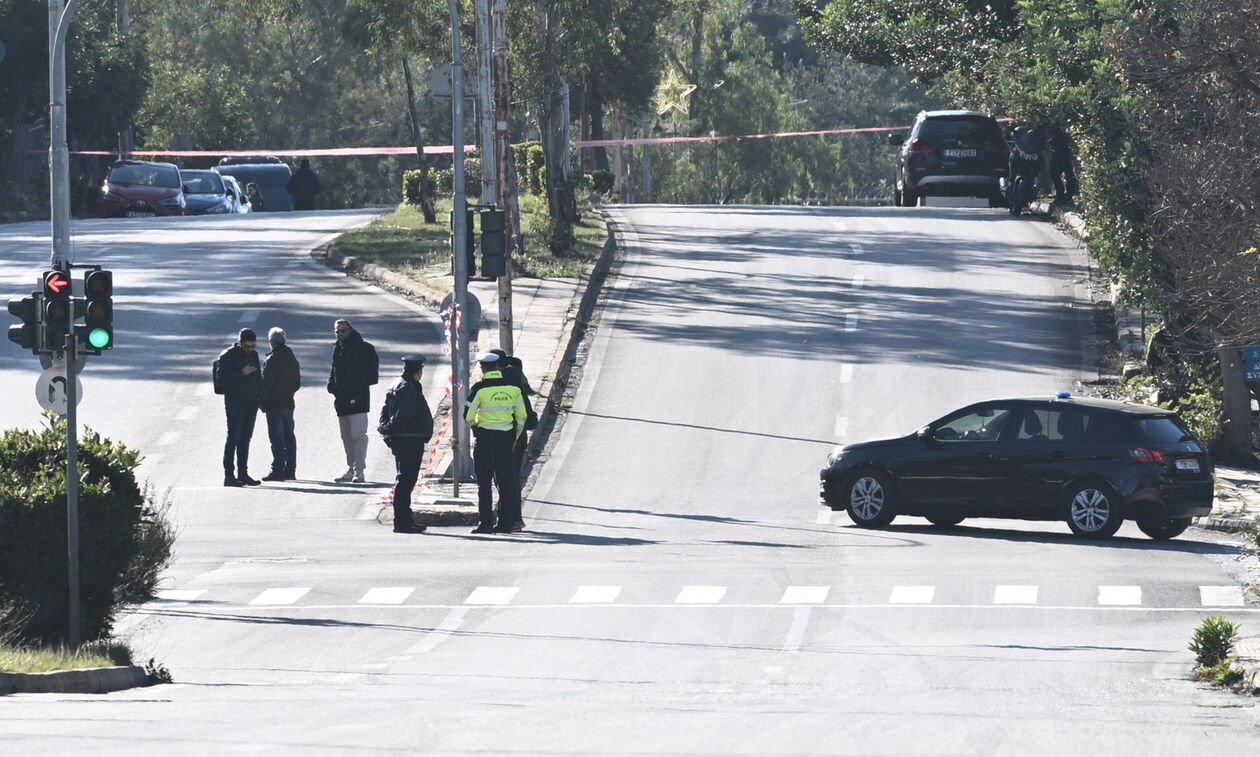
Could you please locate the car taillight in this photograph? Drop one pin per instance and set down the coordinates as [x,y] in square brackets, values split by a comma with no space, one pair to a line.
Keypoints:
[1144,455]
[919,146]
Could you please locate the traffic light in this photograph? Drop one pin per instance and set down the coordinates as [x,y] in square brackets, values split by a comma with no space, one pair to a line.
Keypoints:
[469,240]
[493,249]
[97,331]
[27,335]
[58,309]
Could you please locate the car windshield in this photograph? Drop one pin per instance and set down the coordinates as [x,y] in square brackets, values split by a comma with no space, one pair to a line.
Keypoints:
[980,425]
[962,129]
[1164,430]
[203,183]
[145,175]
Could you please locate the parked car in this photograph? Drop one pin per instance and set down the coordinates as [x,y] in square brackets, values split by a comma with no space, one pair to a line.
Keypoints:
[206,192]
[240,203]
[1092,463]
[951,153]
[137,189]
[270,174]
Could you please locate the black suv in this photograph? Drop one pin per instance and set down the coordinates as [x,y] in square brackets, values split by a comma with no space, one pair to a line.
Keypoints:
[951,153]
[1089,462]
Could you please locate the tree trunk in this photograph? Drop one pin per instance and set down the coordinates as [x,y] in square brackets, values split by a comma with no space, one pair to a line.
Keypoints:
[426,186]
[596,115]
[561,202]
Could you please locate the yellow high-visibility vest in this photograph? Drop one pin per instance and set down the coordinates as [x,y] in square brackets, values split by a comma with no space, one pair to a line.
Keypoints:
[496,405]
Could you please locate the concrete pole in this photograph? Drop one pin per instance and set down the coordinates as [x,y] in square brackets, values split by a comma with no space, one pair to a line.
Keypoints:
[459,235]
[58,152]
[486,115]
[504,186]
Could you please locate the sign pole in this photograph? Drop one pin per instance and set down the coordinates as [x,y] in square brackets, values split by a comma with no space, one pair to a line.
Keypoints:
[72,489]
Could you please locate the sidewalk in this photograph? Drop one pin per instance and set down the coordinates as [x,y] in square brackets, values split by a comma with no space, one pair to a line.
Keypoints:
[545,314]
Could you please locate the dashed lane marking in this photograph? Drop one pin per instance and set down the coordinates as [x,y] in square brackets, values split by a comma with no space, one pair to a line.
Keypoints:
[846,373]
[178,595]
[595,595]
[1120,595]
[700,595]
[386,595]
[857,249]
[249,316]
[1015,595]
[850,322]
[1221,596]
[842,426]
[858,281]
[796,632]
[912,595]
[805,595]
[443,631]
[492,595]
[284,596]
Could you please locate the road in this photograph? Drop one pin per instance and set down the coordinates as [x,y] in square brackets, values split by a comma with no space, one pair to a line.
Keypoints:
[679,591]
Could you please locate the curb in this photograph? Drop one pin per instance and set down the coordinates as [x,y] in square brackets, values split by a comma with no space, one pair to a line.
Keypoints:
[1225,523]
[83,681]
[329,255]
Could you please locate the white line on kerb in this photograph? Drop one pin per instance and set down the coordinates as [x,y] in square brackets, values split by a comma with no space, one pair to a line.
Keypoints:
[850,322]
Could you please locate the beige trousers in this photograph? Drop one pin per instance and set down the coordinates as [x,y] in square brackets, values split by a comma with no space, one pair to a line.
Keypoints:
[354,439]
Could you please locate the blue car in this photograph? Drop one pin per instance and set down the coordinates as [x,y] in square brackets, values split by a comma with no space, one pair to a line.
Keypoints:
[205,192]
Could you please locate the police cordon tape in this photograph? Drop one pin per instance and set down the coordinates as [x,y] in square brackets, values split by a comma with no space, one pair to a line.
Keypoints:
[447,149]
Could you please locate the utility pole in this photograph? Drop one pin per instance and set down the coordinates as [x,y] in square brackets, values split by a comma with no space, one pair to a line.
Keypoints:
[459,261]
[485,106]
[504,184]
[126,137]
[58,152]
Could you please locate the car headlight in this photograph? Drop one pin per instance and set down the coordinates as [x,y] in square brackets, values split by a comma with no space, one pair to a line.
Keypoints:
[220,208]
[110,196]
[177,200]
[834,457]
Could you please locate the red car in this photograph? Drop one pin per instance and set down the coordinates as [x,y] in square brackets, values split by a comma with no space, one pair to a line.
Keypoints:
[139,189]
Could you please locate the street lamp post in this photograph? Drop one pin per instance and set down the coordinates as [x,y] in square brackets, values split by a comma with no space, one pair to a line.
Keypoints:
[459,265]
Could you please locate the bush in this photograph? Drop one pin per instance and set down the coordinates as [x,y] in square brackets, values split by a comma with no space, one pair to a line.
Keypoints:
[601,182]
[1213,641]
[411,186]
[1223,673]
[530,163]
[119,528]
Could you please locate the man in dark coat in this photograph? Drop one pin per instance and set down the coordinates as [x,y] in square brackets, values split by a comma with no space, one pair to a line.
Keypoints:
[281,378]
[239,378]
[303,186]
[407,425]
[354,370]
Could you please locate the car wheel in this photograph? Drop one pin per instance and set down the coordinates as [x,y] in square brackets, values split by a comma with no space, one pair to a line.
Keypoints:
[872,503]
[1162,529]
[1093,511]
[909,198]
[996,200]
[897,197]
[945,521]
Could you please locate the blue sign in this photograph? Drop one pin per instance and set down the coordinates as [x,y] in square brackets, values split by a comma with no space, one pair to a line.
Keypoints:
[1251,364]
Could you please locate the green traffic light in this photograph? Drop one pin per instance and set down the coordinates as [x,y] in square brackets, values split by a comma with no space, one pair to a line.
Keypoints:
[98,338]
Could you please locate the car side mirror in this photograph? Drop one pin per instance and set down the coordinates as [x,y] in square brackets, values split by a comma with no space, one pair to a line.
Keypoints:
[925,435]
[185,188]
[896,140]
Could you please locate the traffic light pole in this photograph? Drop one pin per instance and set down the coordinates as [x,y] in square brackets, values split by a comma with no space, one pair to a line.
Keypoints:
[459,261]
[58,151]
[72,488]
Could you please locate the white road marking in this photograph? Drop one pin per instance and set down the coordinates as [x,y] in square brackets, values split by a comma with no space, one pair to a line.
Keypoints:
[850,322]
[700,595]
[805,595]
[371,509]
[857,249]
[912,595]
[846,373]
[595,595]
[1221,596]
[285,596]
[492,595]
[858,281]
[386,595]
[451,623]
[249,316]
[187,413]
[1015,595]
[178,595]
[796,632]
[842,426]
[839,225]
[823,518]
[1119,595]
[167,439]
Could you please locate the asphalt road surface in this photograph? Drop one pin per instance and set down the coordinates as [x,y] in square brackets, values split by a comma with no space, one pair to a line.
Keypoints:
[679,590]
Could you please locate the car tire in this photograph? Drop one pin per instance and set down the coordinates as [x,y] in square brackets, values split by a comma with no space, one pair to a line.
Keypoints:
[945,521]
[897,197]
[996,200]
[1163,529]
[909,198]
[872,501]
[1092,510]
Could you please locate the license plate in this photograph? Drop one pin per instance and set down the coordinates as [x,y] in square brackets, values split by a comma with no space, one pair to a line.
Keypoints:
[1188,465]
[140,214]
[960,153]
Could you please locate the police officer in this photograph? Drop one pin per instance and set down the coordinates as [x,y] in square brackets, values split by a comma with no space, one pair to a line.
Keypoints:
[407,424]
[496,412]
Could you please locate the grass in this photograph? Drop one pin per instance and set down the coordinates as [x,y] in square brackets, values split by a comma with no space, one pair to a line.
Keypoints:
[15,659]
[402,242]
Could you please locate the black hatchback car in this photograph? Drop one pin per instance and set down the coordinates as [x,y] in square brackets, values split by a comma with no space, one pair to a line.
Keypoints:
[951,153]
[1092,463]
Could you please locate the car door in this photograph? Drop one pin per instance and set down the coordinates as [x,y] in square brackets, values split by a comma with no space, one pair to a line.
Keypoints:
[957,469]
[1050,443]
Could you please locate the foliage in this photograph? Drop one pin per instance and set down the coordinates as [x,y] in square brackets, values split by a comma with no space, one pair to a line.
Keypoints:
[529,163]
[1223,673]
[411,186]
[1198,399]
[45,659]
[155,543]
[1213,641]
[112,510]
[601,182]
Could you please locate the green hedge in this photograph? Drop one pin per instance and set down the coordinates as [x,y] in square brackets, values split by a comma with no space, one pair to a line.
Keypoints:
[411,186]
[116,523]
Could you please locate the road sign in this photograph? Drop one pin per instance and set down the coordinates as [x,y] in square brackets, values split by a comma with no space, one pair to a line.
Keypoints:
[1251,364]
[50,390]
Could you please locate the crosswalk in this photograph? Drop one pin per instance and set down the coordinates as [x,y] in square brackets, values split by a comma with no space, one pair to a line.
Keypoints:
[1012,595]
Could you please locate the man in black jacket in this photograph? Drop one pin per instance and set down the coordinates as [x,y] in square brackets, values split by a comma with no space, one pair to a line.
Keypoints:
[239,377]
[303,186]
[407,425]
[354,370]
[281,378]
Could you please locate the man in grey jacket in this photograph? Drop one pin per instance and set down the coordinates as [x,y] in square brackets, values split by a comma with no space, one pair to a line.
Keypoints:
[281,378]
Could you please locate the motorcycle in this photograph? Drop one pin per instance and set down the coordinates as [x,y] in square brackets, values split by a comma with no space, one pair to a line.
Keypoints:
[1026,162]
